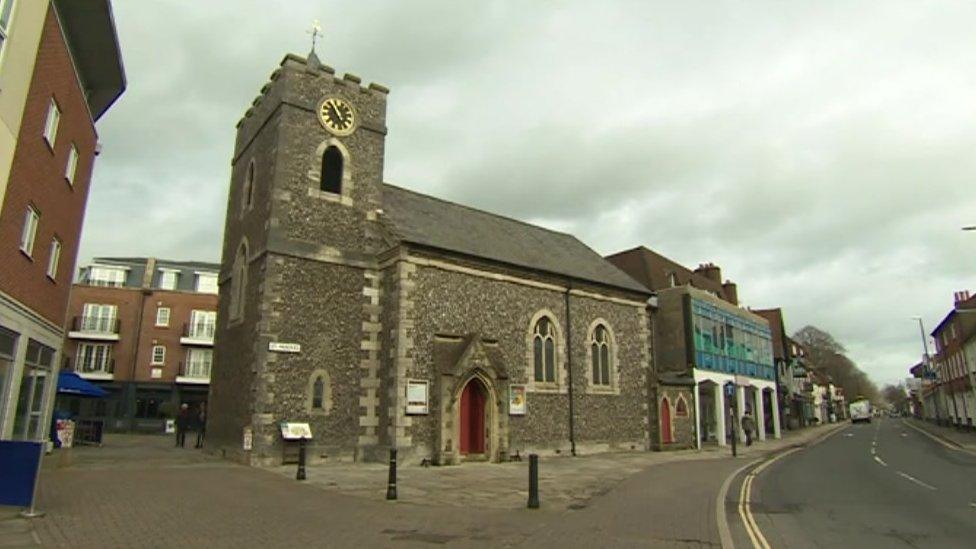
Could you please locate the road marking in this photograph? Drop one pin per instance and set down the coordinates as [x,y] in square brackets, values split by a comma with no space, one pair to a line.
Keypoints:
[724,533]
[880,461]
[915,480]
[745,500]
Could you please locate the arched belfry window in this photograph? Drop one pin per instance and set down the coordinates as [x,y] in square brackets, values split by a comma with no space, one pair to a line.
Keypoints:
[544,351]
[600,349]
[331,179]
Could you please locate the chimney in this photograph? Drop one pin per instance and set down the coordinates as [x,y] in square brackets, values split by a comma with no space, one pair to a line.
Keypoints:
[731,292]
[960,296]
[147,276]
[711,272]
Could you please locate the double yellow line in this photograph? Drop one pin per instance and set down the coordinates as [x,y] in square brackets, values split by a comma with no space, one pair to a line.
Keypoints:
[745,493]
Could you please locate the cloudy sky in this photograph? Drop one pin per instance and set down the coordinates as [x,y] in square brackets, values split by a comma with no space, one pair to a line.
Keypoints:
[822,153]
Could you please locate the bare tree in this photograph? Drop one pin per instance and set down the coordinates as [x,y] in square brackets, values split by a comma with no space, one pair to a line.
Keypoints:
[826,354]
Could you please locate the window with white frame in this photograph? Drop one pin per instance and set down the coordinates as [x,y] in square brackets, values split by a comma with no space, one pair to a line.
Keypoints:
[51,123]
[54,258]
[112,277]
[167,279]
[544,351]
[6,8]
[98,318]
[162,316]
[198,363]
[29,232]
[158,354]
[202,324]
[207,283]
[72,167]
[94,358]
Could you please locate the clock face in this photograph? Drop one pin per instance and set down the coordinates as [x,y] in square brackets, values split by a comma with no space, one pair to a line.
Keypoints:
[337,116]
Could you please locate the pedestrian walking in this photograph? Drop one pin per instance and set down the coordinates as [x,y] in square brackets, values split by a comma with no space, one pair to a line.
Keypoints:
[182,424]
[201,424]
[748,426]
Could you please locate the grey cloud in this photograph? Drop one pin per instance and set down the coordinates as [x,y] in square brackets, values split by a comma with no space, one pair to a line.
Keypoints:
[819,152]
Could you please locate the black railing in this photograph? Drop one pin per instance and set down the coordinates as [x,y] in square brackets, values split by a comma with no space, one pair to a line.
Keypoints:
[199,330]
[200,371]
[95,324]
[107,367]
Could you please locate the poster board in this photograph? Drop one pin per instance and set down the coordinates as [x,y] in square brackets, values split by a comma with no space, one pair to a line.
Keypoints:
[516,400]
[418,392]
[295,431]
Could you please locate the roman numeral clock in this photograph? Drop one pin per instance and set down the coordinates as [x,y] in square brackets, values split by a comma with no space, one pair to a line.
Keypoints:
[337,116]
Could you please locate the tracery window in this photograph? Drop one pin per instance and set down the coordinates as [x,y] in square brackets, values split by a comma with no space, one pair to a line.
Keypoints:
[600,356]
[544,351]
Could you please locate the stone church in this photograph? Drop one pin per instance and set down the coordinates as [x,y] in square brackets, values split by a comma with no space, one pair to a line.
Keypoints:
[385,318]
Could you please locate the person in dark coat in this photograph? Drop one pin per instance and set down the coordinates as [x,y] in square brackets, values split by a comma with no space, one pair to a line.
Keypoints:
[182,424]
[201,421]
[749,426]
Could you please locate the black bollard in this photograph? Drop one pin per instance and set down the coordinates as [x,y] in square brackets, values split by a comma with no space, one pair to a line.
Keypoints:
[301,459]
[533,481]
[391,492]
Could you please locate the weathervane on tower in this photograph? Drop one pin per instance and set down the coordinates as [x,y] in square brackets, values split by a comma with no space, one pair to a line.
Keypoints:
[315,31]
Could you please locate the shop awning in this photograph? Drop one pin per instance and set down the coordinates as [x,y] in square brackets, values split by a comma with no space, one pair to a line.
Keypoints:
[70,383]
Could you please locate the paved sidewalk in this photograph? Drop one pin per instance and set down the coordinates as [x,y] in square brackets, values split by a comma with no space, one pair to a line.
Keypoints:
[965,440]
[566,482]
[139,491]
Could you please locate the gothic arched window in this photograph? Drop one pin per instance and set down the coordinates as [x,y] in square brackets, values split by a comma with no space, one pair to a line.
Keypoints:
[331,178]
[544,351]
[238,284]
[600,356]
[318,393]
[247,193]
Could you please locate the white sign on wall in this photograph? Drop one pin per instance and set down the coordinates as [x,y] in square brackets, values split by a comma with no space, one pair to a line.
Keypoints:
[279,347]
[417,393]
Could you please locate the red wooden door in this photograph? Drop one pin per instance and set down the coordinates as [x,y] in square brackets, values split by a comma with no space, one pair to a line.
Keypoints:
[666,436]
[472,420]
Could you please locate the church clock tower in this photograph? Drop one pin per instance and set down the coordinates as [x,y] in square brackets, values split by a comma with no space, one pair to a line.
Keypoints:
[298,319]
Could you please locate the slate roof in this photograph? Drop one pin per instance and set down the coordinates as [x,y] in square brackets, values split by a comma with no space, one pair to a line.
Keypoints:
[428,221]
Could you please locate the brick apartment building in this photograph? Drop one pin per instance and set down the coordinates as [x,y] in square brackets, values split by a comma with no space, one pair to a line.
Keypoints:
[142,329]
[60,71]
[955,365]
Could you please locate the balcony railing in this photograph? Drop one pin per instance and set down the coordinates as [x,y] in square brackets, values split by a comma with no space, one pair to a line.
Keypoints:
[199,330]
[194,371]
[95,324]
[105,367]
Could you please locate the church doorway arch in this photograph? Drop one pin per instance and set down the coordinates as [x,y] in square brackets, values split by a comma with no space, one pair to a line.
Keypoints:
[473,418]
[666,436]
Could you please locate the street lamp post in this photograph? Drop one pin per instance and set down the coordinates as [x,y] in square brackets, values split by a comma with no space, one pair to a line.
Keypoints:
[926,361]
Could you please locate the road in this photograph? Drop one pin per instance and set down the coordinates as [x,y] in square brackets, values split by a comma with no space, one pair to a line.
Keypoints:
[883,484]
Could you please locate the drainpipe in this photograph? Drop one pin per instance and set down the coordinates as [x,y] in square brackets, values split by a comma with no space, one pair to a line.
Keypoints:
[569,369]
[145,291]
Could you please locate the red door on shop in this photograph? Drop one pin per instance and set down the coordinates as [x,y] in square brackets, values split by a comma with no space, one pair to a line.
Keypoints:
[472,418]
[666,436]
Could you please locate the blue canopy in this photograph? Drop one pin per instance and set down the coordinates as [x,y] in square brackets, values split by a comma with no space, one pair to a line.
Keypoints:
[70,383]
